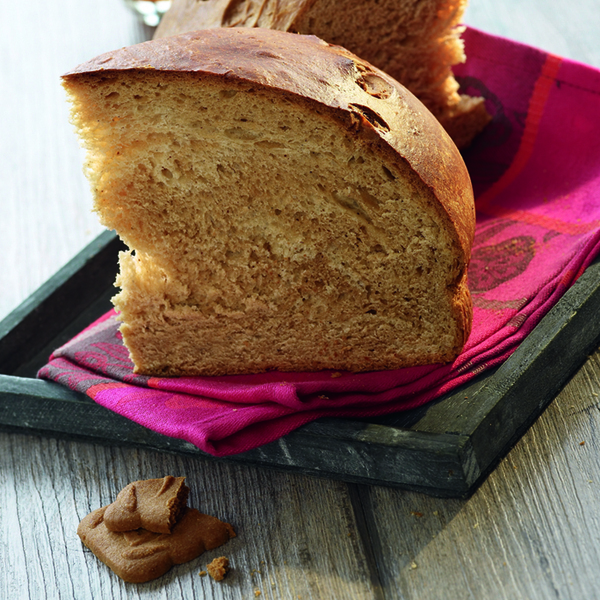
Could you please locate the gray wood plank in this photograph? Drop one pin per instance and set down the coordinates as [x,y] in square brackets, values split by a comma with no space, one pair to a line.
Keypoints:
[45,199]
[530,531]
[297,536]
[569,29]
[537,513]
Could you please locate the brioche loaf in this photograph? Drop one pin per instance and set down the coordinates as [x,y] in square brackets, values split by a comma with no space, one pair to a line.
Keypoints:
[415,41]
[288,206]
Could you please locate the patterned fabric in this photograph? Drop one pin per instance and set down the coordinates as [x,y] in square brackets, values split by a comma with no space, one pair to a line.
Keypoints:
[536,174]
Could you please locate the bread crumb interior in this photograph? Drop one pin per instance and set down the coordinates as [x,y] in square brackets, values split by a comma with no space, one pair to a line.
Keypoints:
[263,235]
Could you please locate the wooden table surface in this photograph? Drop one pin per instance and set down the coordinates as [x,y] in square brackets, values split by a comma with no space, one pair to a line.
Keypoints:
[532,530]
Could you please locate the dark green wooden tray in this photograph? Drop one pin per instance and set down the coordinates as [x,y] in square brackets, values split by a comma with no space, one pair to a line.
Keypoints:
[445,448]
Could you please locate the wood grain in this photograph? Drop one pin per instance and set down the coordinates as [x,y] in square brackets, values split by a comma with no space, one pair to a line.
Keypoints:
[45,200]
[296,536]
[530,532]
[569,29]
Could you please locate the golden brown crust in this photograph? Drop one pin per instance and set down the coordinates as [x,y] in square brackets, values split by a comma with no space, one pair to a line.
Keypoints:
[271,14]
[351,88]
[362,108]
[415,43]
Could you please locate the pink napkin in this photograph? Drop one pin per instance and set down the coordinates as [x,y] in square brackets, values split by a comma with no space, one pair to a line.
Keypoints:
[536,174]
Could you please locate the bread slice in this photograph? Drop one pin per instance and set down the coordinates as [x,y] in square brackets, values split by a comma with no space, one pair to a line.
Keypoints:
[288,206]
[415,41]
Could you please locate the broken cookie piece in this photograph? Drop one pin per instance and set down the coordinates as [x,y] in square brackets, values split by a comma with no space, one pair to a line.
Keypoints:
[218,568]
[141,555]
[154,504]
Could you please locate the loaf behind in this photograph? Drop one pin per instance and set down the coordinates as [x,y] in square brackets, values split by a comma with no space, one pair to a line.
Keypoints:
[415,41]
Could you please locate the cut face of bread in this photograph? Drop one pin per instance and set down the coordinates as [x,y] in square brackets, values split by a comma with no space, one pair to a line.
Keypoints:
[417,42]
[288,207]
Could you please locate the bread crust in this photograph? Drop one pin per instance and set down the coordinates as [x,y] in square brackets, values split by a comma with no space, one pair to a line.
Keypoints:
[422,42]
[404,129]
[337,84]
[184,17]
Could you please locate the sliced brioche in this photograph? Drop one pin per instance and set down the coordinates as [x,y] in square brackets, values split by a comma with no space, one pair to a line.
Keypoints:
[289,206]
[415,41]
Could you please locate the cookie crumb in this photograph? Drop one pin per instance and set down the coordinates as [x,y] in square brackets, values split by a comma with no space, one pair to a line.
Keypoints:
[582,443]
[257,593]
[218,568]
[203,573]
[417,514]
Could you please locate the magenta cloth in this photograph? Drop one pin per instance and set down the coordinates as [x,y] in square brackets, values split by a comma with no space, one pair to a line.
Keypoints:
[536,175]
